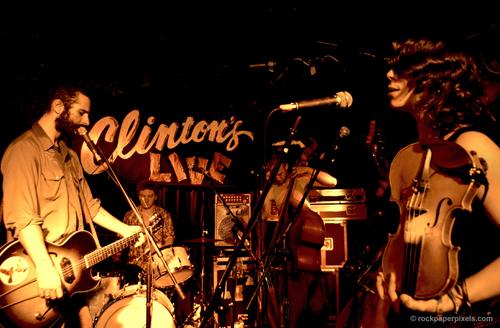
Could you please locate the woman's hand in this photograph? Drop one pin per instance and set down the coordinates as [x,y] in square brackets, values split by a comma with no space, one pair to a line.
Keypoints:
[438,306]
[386,290]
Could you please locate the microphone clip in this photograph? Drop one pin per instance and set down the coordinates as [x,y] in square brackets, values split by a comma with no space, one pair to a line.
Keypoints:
[98,158]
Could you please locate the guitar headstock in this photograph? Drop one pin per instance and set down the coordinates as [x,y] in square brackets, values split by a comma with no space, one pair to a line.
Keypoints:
[155,220]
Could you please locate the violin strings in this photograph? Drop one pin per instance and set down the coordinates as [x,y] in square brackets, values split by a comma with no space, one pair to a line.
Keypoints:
[414,232]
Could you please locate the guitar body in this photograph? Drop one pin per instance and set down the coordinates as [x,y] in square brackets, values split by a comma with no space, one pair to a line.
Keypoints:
[20,302]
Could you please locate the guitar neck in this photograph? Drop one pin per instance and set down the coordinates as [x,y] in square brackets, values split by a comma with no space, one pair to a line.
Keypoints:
[103,253]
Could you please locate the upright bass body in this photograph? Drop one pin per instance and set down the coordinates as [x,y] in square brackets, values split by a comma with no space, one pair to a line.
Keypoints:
[431,183]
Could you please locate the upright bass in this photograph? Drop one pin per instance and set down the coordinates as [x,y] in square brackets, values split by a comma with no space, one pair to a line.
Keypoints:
[431,182]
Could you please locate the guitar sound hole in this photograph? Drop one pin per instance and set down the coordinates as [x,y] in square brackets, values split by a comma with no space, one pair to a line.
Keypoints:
[67,271]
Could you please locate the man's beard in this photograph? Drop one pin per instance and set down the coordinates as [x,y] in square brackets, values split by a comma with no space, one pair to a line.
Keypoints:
[65,125]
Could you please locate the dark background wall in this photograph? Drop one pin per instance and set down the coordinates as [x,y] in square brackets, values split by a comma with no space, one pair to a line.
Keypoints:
[242,58]
[211,60]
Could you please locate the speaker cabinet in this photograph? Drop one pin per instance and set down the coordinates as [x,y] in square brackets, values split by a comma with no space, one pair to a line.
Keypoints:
[331,203]
[334,250]
[226,228]
[336,207]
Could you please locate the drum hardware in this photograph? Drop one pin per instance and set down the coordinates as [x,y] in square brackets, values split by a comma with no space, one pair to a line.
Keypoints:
[202,240]
[193,319]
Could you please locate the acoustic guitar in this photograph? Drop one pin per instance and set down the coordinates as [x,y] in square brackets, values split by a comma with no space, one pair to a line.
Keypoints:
[20,303]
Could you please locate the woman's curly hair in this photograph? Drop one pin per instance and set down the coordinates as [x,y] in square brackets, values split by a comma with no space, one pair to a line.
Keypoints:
[448,82]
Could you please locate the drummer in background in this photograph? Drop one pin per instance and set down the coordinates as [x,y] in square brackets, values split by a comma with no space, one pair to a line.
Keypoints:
[157,219]
[160,224]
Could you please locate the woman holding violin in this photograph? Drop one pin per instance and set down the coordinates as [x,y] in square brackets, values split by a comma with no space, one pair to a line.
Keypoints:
[442,265]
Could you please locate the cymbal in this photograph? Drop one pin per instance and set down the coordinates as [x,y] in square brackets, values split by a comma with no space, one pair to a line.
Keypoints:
[201,240]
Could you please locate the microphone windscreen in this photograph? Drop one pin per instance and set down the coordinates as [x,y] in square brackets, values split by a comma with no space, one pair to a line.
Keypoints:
[345,99]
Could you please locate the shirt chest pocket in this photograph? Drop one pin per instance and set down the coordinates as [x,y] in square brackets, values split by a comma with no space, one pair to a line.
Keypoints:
[52,184]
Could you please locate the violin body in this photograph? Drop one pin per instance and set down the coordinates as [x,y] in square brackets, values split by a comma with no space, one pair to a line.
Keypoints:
[430,185]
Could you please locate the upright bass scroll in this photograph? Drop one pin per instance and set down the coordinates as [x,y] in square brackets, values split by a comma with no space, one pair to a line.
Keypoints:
[445,180]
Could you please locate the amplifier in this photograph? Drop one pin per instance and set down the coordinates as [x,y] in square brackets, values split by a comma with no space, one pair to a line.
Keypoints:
[344,204]
[225,228]
[335,195]
[341,211]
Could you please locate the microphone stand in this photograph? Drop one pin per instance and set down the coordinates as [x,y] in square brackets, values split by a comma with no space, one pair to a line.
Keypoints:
[269,257]
[251,222]
[282,237]
[149,238]
[277,241]
[236,221]
[280,241]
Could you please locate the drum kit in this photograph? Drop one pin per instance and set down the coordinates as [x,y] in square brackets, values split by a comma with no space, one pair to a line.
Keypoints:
[119,301]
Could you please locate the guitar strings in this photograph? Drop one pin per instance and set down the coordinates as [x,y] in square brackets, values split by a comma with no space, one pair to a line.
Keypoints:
[98,255]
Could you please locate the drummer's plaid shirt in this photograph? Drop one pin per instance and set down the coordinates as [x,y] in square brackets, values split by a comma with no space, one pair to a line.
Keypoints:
[163,234]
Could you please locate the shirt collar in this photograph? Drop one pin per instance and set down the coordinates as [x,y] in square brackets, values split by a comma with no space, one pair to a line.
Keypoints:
[46,142]
[44,139]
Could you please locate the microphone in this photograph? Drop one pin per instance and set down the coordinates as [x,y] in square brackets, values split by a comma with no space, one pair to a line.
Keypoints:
[93,148]
[342,99]
[205,173]
[270,65]
[343,132]
[199,169]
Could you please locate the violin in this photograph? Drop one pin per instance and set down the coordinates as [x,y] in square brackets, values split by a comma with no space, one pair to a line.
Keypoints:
[431,182]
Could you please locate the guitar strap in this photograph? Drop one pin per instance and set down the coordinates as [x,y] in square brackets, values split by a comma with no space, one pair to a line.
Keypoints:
[83,205]
[86,215]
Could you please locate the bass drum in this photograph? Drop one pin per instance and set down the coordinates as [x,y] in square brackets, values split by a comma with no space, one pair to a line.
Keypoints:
[129,310]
